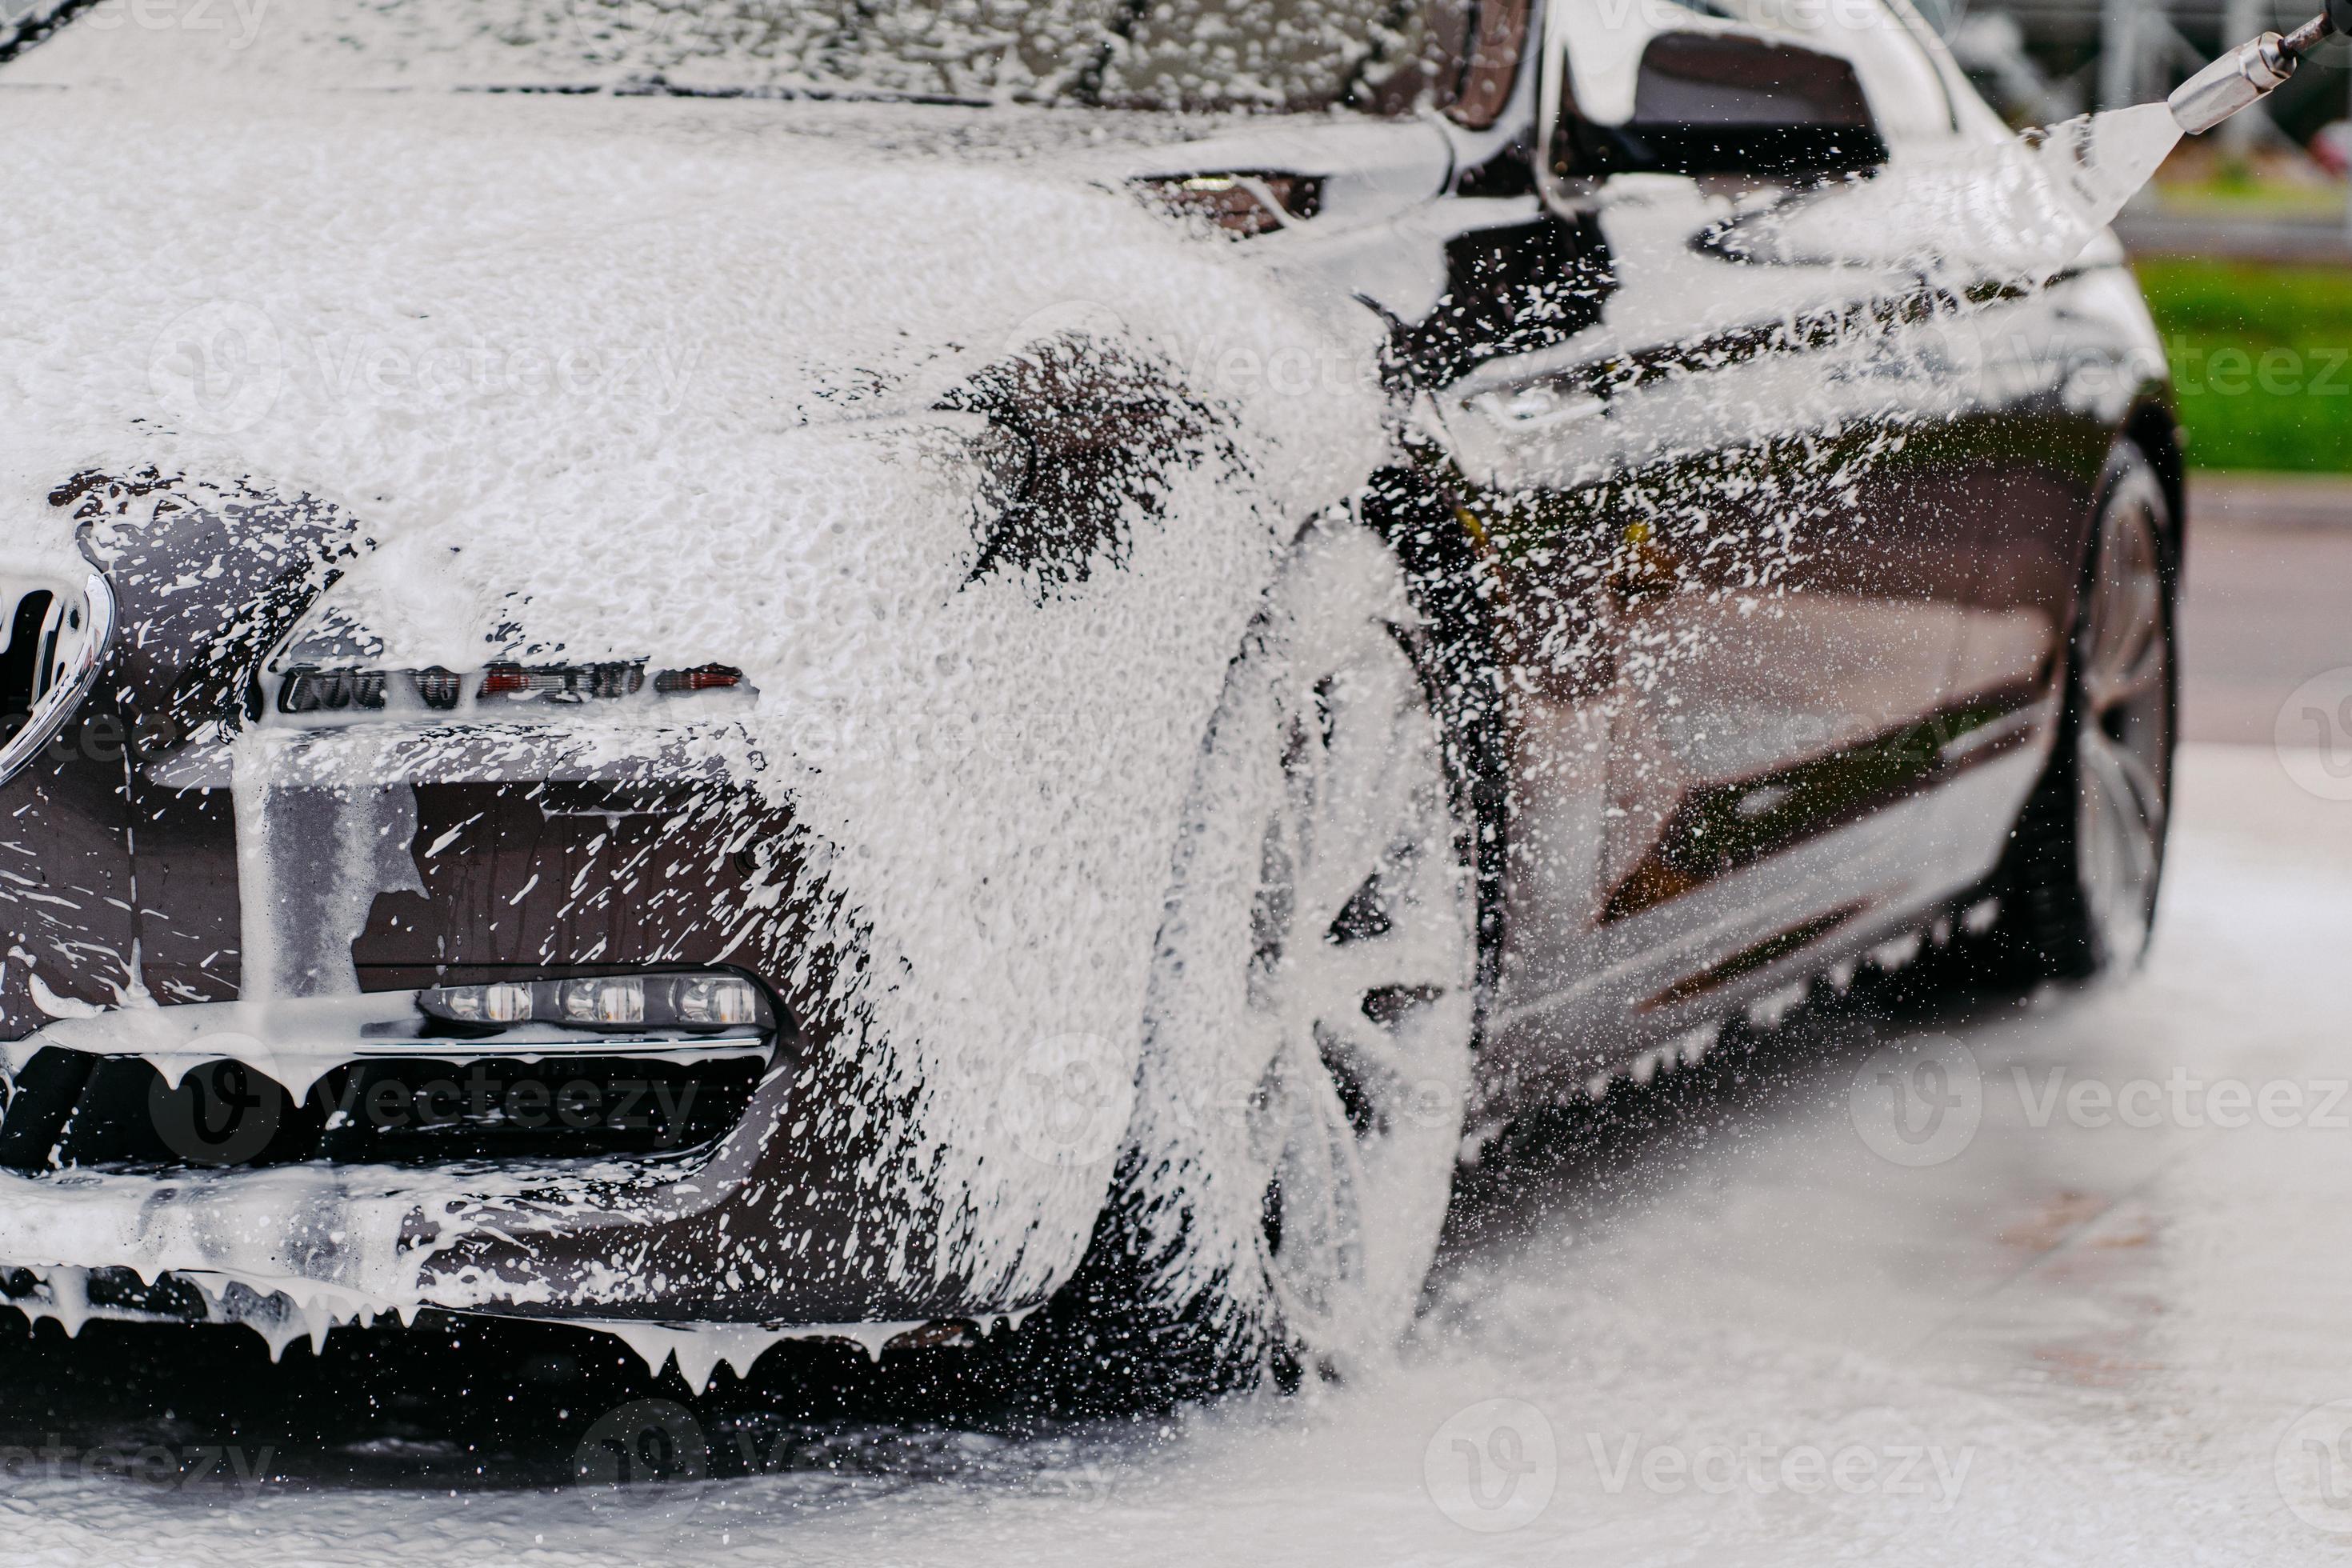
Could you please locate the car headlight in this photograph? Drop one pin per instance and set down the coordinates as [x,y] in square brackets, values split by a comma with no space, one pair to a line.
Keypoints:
[691,1001]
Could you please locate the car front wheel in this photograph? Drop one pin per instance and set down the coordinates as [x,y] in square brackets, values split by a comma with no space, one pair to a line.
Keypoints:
[1308,1040]
[2079,892]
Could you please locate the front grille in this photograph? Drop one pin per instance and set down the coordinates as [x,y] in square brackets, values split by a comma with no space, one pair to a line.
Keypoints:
[118,1292]
[75,1110]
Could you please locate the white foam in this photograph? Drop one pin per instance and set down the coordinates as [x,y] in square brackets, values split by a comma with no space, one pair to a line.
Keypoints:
[739,466]
[699,1349]
[2020,209]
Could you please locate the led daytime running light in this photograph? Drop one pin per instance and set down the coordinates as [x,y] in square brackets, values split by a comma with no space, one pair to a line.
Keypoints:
[696,1001]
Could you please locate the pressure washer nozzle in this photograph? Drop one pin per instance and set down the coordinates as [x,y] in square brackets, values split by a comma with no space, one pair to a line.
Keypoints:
[2246,74]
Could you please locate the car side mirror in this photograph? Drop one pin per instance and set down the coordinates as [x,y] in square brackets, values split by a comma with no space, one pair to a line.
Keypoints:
[1728,102]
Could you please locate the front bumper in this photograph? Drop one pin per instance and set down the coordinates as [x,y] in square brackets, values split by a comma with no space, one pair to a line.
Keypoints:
[805,1208]
[782,1219]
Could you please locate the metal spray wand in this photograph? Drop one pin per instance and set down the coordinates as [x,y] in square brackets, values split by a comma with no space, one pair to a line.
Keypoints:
[2250,72]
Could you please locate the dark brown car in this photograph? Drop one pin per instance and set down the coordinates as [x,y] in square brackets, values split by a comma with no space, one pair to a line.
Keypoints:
[813,675]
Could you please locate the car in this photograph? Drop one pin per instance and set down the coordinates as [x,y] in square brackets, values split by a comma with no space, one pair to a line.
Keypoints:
[769,669]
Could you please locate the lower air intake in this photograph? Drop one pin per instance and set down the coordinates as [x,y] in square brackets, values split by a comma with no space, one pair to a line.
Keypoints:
[72,1109]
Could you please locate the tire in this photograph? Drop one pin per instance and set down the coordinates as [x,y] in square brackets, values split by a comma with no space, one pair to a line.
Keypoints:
[2078,891]
[1309,1029]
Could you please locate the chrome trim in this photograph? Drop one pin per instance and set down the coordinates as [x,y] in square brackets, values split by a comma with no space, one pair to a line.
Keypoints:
[1994,732]
[54,707]
[1550,33]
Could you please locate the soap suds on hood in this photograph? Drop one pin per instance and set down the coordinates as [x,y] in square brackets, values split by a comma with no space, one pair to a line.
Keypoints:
[671,392]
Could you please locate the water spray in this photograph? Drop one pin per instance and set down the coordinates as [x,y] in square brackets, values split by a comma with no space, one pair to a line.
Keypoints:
[2251,71]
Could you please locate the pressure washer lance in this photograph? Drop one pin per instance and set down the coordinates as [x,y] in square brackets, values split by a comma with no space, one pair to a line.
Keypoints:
[2250,71]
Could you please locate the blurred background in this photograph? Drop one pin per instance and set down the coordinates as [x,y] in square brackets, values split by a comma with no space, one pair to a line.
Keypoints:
[2243,245]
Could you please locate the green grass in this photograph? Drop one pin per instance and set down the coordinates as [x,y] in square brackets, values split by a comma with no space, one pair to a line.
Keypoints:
[2262,359]
[2243,198]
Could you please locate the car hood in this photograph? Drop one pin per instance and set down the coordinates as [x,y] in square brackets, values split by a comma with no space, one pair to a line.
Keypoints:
[602,379]
[601,356]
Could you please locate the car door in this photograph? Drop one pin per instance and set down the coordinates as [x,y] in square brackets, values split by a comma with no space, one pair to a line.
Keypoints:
[1737,588]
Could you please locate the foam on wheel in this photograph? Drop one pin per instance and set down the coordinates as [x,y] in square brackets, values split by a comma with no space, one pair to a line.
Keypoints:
[1308,1040]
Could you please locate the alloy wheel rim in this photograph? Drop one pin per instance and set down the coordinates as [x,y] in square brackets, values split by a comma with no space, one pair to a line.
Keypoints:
[1363,943]
[2122,739]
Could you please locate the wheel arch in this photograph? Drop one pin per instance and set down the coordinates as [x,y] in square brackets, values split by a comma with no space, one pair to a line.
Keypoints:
[2155,429]
[2045,931]
[1450,573]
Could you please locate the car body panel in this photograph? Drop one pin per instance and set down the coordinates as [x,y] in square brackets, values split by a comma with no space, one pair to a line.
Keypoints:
[1777,617]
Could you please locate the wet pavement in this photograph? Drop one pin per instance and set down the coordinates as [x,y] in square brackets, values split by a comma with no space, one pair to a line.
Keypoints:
[2268,606]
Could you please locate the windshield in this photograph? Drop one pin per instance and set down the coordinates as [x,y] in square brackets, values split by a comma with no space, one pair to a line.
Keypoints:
[1379,56]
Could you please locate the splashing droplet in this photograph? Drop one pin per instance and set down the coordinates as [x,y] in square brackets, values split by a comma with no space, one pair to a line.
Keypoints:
[2018,210]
